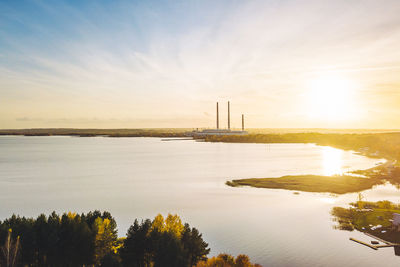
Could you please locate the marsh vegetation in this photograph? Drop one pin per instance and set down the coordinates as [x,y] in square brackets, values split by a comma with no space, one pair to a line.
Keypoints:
[337,184]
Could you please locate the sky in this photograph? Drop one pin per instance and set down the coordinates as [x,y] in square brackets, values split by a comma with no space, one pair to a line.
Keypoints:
[140,64]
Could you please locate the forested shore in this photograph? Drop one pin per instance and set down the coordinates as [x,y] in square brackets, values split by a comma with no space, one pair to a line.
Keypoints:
[378,145]
[91,239]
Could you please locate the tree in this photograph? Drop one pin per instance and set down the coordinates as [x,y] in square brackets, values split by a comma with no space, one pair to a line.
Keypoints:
[43,241]
[158,224]
[242,261]
[9,252]
[167,250]
[53,232]
[23,228]
[76,241]
[163,243]
[173,225]
[110,260]
[195,247]
[105,238]
[226,260]
[137,248]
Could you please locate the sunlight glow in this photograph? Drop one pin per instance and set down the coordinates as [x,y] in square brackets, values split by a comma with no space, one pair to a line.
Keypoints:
[331,97]
[329,200]
[332,161]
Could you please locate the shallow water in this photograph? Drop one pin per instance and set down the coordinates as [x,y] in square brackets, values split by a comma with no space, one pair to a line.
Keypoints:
[140,177]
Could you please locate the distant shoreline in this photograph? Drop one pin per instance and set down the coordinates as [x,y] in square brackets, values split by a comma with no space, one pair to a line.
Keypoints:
[164,132]
[176,132]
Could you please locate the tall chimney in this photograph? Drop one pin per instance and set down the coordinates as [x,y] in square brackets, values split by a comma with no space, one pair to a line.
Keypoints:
[217,117]
[242,122]
[229,117]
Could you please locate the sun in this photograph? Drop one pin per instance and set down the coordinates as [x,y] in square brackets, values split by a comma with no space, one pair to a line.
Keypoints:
[331,97]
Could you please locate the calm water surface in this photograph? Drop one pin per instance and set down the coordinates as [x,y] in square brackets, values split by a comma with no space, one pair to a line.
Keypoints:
[140,177]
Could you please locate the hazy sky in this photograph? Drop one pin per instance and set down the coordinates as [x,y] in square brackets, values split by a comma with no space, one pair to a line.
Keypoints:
[134,64]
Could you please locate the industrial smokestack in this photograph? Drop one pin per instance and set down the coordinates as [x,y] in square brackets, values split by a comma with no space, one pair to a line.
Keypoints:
[229,117]
[217,117]
[242,122]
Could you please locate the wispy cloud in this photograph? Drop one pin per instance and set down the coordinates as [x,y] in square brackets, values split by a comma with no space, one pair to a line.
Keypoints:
[155,59]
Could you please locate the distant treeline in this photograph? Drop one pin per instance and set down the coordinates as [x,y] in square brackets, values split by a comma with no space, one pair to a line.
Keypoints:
[385,145]
[168,132]
[91,239]
[162,132]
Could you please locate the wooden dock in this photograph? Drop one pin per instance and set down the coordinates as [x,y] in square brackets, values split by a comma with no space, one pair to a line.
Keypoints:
[381,240]
[363,243]
[376,247]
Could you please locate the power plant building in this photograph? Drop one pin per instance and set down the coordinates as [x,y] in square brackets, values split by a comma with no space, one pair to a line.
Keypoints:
[219,131]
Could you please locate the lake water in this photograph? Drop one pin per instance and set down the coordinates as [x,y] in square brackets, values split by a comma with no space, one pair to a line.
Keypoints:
[140,177]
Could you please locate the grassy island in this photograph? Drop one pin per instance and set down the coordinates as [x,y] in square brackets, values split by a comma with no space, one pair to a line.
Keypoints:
[336,184]
[340,184]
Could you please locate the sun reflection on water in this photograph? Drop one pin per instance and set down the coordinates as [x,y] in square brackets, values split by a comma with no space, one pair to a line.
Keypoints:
[332,161]
[329,200]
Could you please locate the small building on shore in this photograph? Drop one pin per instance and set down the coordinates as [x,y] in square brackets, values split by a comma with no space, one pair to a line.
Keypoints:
[396,222]
[207,132]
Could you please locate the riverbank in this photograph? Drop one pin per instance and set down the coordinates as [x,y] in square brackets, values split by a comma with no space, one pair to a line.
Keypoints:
[375,145]
[372,218]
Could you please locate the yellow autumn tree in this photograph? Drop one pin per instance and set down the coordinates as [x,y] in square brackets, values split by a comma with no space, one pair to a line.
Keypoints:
[104,240]
[158,224]
[226,260]
[173,224]
[71,215]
